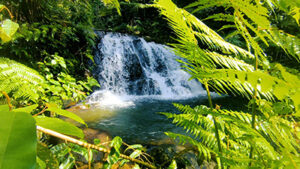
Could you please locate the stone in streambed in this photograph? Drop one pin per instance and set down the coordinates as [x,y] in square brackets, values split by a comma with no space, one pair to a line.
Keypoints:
[91,134]
[90,113]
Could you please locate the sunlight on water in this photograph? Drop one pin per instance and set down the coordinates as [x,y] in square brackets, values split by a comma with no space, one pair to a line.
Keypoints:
[109,100]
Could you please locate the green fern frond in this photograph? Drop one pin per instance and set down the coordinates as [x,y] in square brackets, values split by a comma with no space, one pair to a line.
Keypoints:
[255,12]
[238,82]
[187,27]
[204,151]
[243,82]
[20,80]
[290,43]
[295,13]
[113,4]
[229,62]
[221,17]
[236,133]
[289,6]
[195,125]
[232,34]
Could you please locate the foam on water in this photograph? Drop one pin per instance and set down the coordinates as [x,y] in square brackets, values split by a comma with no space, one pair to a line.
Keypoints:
[106,99]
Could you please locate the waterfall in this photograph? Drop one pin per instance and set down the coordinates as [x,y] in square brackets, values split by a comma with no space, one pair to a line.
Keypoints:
[129,67]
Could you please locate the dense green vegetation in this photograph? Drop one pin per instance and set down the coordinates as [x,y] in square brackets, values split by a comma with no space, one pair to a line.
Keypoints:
[46,47]
[268,137]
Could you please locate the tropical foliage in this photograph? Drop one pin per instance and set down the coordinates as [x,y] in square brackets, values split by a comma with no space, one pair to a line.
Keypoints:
[238,138]
[47,45]
[39,96]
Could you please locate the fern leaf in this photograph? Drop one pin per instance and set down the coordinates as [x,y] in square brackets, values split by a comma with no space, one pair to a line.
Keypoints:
[12,73]
[113,4]
[182,22]
[287,42]
[183,139]
[229,62]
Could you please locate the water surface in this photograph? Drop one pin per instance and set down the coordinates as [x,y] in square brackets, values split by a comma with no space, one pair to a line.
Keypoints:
[140,121]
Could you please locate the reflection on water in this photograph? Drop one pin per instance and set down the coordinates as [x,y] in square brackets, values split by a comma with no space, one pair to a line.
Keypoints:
[141,122]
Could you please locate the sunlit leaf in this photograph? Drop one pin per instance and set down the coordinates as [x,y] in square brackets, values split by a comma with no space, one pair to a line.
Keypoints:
[40,163]
[27,109]
[59,125]
[136,154]
[54,108]
[116,143]
[173,165]
[136,166]
[17,140]
[7,29]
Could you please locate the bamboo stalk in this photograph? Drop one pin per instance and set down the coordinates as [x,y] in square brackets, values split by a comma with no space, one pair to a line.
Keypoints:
[88,145]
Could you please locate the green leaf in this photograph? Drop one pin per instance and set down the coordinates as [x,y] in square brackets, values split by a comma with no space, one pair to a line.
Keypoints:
[47,156]
[59,125]
[136,166]
[93,82]
[135,146]
[8,29]
[12,73]
[124,161]
[295,13]
[173,165]
[87,154]
[27,109]
[288,42]
[113,3]
[97,141]
[136,153]
[54,108]
[61,151]
[116,143]
[17,140]
[41,163]
[68,163]
[4,108]
[112,159]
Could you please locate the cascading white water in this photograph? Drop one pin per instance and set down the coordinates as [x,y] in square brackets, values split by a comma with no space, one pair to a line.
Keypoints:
[128,67]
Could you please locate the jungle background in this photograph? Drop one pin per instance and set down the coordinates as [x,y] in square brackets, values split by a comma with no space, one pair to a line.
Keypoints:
[248,49]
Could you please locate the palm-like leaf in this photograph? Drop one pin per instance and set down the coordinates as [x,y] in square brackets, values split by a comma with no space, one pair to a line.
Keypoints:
[287,42]
[113,3]
[227,67]
[203,63]
[235,132]
[20,80]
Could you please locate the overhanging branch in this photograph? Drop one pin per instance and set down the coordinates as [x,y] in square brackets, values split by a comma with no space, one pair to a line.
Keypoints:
[88,145]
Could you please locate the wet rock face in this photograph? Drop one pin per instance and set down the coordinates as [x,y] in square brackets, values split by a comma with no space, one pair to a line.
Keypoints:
[91,134]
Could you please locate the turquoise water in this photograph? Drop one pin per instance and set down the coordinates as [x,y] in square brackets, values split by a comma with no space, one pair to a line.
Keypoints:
[141,122]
